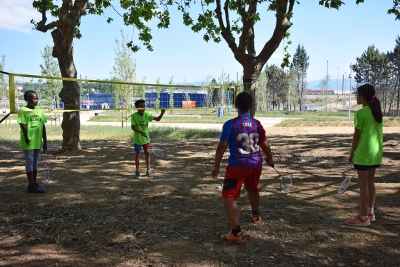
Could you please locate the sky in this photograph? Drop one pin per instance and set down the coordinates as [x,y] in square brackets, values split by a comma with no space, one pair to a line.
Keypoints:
[332,39]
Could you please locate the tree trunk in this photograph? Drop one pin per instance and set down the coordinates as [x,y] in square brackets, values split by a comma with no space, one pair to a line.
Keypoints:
[251,74]
[70,93]
[398,93]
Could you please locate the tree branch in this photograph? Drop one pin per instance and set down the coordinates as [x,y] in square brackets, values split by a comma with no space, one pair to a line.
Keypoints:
[246,39]
[251,50]
[226,32]
[78,11]
[283,15]
[41,26]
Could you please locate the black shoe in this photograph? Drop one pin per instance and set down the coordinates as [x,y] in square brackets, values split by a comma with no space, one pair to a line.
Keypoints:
[39,186]
[34,189]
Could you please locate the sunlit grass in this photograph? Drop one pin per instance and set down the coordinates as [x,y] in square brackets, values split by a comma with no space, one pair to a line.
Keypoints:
[175,117]
[99,132]
[10,133]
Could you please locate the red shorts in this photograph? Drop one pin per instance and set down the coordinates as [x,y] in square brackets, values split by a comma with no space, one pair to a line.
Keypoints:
[236,176]
[138,148]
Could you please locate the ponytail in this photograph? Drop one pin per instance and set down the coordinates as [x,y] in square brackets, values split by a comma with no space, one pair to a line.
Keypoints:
[368,92]
[375,106]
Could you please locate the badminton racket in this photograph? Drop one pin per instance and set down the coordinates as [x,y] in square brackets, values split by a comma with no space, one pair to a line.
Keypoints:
[286,179]
[46,172]
[345,184]
[156,151]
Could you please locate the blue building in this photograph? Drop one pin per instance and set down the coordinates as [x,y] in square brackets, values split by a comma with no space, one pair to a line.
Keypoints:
[180,95]
[106,101]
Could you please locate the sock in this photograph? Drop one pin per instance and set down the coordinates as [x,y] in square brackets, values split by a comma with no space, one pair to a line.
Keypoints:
[236,230]
[363,217]
[370,210]
[253,212]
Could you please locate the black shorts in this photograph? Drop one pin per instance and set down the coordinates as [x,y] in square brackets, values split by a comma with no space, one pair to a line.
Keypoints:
[365,168]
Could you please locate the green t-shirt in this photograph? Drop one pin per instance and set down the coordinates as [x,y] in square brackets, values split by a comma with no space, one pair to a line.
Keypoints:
[142,123]
[34,124]
[369,148]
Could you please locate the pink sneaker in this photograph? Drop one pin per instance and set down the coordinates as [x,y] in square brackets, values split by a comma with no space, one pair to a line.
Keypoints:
[371,217]
[358,221]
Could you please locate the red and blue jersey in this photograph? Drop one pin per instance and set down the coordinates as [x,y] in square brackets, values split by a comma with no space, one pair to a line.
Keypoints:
[244,134]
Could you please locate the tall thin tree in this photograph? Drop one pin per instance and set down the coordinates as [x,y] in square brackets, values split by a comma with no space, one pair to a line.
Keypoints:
[299,66]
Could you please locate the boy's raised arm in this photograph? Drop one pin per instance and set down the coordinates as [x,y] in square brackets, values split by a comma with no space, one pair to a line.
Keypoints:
[160,116]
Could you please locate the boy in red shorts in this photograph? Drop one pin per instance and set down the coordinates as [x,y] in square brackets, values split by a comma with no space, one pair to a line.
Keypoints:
[246,138]
[140,125]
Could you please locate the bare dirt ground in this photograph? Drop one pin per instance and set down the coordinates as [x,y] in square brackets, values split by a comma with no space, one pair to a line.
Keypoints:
[95,213]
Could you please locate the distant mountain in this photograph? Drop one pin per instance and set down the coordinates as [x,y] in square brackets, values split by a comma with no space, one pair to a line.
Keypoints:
[333,84]
[200,83]
[312,85]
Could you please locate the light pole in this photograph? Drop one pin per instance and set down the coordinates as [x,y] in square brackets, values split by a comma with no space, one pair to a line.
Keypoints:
[327,81]
[344,87]
[337,81]
[350,94]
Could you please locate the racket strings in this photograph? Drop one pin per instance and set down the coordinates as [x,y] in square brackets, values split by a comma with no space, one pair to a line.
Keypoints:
[344,185]
[46,172]
[286,182]
[157,152]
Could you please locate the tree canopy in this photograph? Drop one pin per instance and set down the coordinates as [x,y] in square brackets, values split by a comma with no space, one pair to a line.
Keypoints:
[232,20]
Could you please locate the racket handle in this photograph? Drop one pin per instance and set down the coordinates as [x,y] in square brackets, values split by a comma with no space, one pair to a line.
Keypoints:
[266,160]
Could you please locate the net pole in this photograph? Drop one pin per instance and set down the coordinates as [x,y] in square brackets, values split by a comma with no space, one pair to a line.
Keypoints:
[235,94]
[11,92]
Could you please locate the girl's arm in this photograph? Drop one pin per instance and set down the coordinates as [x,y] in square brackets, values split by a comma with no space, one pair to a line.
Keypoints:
[44,135]
[356,138]
[25,132]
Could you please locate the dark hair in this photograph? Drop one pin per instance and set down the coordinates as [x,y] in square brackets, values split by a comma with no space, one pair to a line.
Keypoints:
[138,102]
[243,101]
[368,92]
[28,94]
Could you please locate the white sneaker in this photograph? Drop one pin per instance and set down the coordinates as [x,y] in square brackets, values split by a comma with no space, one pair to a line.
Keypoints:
[137,174]
[149,173]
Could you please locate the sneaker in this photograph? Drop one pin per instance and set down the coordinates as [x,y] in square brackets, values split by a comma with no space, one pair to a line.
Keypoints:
[256,218]
[371,217]
[39,186]
[358,221]
[230,237]
[137,174]
[34,189]
[149,173]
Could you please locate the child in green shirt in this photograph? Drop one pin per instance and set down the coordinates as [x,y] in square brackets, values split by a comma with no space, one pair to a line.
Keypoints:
[140,125]
[32,137]
[366,151]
